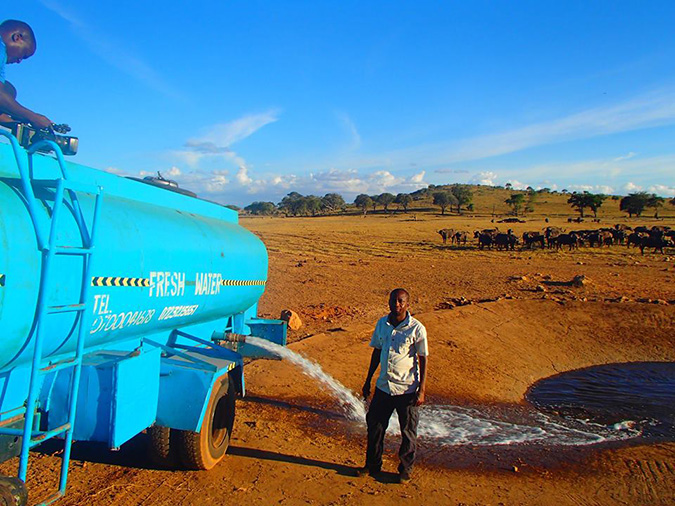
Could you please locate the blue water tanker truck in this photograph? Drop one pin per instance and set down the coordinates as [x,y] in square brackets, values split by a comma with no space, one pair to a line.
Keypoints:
[116,301]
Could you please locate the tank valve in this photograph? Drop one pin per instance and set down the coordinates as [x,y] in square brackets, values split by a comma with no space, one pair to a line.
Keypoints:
[229,337]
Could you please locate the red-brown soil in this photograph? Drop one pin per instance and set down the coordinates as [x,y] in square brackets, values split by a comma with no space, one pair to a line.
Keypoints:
[497,322]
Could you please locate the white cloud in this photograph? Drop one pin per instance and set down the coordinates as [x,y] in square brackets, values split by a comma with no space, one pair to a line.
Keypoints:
[484,178]
[215,141]
[418,179]
[627,156]
[631,187]
[173,171]
[218,138]
[590,188]
[243,177]
[517,185]
[662,190]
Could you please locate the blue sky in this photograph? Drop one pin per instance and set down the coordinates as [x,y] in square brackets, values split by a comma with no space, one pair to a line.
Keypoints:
[249,100]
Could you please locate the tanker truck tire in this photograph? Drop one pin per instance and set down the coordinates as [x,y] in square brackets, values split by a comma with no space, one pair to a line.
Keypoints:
[163,447]
[12,492]
[204,449]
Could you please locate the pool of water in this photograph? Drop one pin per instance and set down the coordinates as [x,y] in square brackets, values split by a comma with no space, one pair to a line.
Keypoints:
[635,395]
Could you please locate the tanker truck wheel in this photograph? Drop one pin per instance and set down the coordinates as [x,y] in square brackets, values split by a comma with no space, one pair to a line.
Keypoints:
[12,492]
[162,446]
[204,449]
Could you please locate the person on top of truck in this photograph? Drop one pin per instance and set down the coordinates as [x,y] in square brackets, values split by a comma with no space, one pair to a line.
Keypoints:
[17,43]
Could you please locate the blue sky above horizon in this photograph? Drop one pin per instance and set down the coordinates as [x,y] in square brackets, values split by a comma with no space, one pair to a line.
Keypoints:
[249,100]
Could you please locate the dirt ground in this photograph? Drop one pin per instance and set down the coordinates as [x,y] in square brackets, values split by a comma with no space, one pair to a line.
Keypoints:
[498,321]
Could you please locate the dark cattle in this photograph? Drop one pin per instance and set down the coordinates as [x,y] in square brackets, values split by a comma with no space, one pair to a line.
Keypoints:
[551,233]
[484,240]
[505,241]
[658,243]
[658,231]
[593,238]
[635,239]
[620,226]
[446,233]
[570,240]
[619,235]
[461,237]
[606,238]
[531,238]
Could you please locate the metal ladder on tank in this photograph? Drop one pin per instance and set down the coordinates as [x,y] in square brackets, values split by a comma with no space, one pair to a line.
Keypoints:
[65,191]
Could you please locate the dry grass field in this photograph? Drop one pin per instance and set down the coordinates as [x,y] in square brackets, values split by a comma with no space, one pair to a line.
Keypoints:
[498,321]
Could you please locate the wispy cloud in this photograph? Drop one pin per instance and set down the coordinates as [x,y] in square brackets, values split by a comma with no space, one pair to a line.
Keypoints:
[656,108]
[112,51]
[216,141]
[350,127]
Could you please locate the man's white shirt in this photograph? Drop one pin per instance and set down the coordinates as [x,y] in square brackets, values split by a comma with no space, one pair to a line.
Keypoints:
[400,346]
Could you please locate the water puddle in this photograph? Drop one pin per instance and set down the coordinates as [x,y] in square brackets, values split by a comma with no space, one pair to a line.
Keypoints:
[635,395]
[448,425]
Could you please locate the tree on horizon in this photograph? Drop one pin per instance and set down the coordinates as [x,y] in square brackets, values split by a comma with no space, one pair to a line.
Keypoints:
[444,199]
[385,199]
[403,200]
[463,194]
[634,203]
[516,202]
[363,201]
[581,201]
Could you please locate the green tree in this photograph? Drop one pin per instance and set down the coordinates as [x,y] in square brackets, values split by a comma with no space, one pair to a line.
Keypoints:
[385,199]
[655,202]
[294,204]
[313,204]
[363,201]
[332,202]
[403,200]
[463,194]
[634,203]
[263,208]
[516,202]
[444,199]
[581,201]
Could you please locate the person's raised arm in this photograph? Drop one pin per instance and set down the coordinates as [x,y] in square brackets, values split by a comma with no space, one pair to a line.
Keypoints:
[374,363]
[423,379]
[9,106]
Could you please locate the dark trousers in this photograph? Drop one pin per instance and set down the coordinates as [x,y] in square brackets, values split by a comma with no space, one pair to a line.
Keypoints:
[381,408]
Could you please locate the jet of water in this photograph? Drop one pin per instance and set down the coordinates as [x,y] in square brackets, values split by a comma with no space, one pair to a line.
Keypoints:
[455,425]
[356,409]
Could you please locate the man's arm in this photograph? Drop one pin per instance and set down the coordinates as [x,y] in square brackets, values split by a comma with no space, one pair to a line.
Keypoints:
[374,363]
[9,106]
[422,360]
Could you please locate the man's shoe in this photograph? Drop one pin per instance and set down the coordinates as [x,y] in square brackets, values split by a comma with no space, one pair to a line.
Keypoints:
[404,477]
[365,470]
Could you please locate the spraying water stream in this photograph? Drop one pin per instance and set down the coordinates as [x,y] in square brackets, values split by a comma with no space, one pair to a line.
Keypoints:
[455,425]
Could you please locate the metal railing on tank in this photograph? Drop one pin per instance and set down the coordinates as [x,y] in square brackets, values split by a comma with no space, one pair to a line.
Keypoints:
[46,240]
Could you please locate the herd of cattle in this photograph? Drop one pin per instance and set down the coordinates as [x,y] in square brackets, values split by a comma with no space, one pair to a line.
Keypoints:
[656,237]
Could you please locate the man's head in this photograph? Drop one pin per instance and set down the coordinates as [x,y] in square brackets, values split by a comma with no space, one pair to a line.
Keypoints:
[19,40]
[399,301]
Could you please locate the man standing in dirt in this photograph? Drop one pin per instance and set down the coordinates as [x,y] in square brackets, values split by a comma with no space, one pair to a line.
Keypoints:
[400,348]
